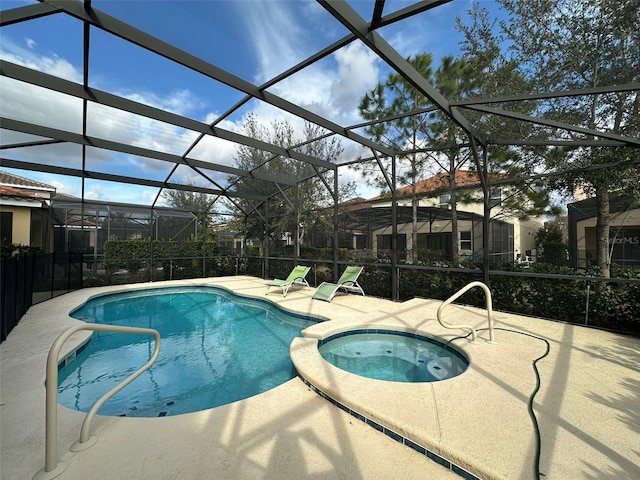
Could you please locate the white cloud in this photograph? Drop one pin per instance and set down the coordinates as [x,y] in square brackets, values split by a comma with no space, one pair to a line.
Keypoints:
[275,37]
[64,187]
[214,150]
[95,193]
[332,89]
[32,104]
[357,73]
[180,101]
[25,102]
[119,193]
[30,58]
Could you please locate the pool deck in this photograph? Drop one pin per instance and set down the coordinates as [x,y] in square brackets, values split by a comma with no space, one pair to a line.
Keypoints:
[587,407]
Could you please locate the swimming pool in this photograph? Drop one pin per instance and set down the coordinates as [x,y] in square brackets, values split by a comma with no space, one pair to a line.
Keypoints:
[217,348]
[392,355]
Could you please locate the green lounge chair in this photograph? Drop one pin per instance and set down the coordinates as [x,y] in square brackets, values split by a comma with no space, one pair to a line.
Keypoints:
[347,282]
[296,277]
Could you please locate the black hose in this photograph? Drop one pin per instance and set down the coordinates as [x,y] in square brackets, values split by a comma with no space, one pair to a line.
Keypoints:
[532,414]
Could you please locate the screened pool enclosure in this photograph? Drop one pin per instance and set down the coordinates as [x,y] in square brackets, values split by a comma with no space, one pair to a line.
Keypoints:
[131,101]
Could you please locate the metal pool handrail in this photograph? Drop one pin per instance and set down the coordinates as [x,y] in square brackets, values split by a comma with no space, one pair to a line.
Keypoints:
[460,292]
[51,467]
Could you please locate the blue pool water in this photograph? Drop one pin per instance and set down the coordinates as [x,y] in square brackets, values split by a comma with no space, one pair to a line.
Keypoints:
[217,348]
[392,355]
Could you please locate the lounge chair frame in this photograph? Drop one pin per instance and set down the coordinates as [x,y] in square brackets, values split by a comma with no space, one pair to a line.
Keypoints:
[348,282]
[296,277]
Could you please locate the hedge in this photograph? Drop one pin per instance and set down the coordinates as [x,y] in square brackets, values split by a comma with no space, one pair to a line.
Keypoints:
[611,305]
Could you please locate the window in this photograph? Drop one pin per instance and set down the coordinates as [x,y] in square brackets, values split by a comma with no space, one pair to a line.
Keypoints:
[496,197]
[443,201]
[6,227]
[465,241]
[624,244]
[384,242]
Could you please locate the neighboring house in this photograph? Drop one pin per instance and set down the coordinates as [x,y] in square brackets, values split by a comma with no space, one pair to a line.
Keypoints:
[624,232]
[84,227]
[34,214]
[24,208]
[510,237]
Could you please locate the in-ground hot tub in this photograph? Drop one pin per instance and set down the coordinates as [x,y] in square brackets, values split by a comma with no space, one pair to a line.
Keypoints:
[392,355]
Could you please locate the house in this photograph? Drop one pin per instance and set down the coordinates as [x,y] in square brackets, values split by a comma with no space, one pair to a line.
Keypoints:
[624,232]
[24,205]
[510,237]
[35,215]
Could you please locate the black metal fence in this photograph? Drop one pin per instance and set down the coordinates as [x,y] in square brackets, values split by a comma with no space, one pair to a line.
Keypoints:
[601,302]
[33,278]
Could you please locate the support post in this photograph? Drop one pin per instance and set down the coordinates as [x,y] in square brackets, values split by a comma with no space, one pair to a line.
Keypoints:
[394,233]
[267,235]
[336,240]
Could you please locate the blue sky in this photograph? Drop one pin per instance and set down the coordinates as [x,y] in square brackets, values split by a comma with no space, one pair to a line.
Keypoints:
[254,40]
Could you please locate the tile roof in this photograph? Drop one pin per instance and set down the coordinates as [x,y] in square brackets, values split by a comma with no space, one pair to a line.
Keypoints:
[12,192]
[440,182]
[355,203]
[17,181]
[437,183]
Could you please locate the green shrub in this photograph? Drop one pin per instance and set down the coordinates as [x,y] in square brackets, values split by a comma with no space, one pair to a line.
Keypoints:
[551,245]
[8,249]
[614,306]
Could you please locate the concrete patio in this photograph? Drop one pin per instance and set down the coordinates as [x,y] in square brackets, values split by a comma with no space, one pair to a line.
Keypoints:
[586,408]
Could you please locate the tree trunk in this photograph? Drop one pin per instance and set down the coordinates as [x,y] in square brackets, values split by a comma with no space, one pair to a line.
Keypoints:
[603,258]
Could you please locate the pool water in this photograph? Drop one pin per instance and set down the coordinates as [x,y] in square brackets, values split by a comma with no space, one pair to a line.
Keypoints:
[217,348]
[394,356]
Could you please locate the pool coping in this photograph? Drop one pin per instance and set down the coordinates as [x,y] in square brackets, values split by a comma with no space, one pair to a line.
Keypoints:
[307,347]
[323,378]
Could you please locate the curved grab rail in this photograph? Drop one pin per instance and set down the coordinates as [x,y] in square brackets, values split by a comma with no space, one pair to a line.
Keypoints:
[460,292]
[51,422]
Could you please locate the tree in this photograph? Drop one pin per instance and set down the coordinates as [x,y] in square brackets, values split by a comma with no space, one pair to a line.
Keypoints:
[568,45]
[410,129]
[500,75]
[197,203]
[291,210]
[314,198]
[396,98]
[455,79]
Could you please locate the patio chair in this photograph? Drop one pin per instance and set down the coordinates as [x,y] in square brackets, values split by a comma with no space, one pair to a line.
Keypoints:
[348,282]
[296,277]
